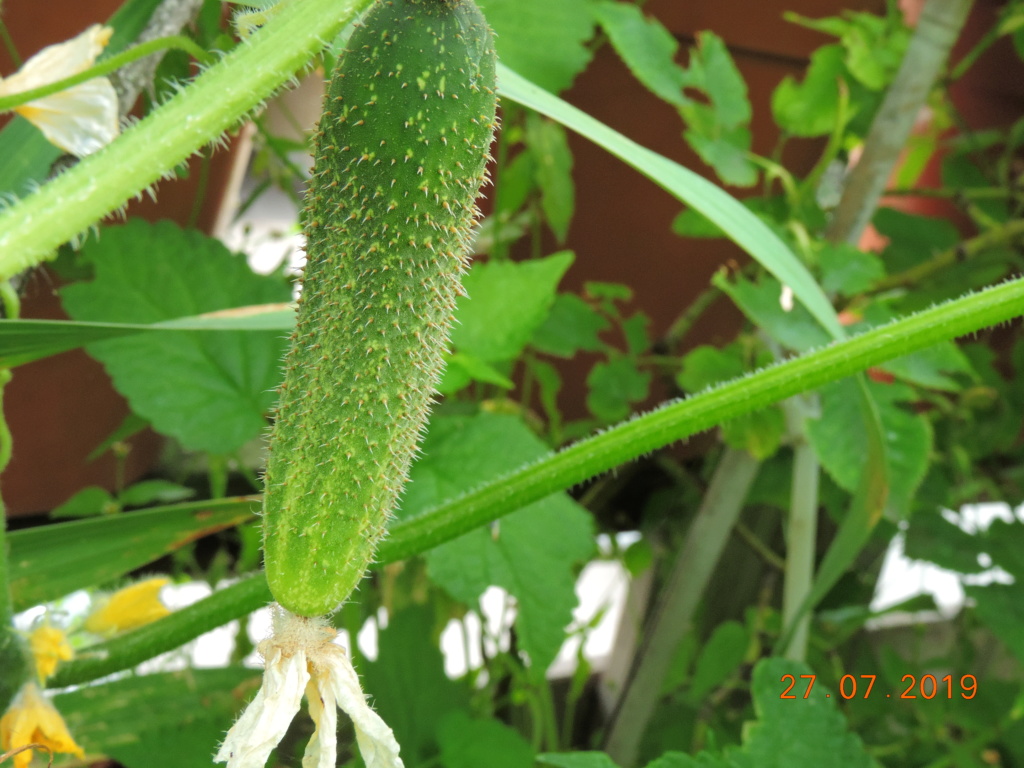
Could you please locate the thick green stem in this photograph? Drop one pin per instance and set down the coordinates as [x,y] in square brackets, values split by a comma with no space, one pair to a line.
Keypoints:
[802,529]
[32,229]
[675,421]
[678,602]
[937,29]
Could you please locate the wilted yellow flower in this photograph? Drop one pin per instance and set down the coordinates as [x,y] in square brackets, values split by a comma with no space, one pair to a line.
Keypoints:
[129,608]
[32,719]
[49,647]
[80,119]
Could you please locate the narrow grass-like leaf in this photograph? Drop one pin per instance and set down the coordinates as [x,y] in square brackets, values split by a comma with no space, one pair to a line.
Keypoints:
[50,561]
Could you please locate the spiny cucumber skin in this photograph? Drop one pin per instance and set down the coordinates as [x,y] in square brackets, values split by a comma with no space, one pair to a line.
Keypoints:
[399,160]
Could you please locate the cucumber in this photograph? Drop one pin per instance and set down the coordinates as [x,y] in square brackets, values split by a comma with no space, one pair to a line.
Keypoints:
[400,158]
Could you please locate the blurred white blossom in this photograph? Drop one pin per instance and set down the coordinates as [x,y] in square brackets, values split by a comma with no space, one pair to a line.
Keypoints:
[80,119]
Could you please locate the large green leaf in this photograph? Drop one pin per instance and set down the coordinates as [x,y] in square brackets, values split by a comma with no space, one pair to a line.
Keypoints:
[531,553]
[739,224]
[543,39]
[506,303]
[790,732]
[840,443]
[50,561]
[210,391]
[22,341]
[167,720]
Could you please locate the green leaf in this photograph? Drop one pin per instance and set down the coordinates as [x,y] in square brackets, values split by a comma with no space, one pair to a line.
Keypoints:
[811,108]
[51,561]
[165,720]
[88,502]
[690,223]
[839,440]
[741,226]
[1001,608]
[614,386]
[932,367]
[912,238]
[22,341]
[635,329]
[467,743]
[706,366]
[530,553]
[646,47]
[759,433]
[542,39]
[549,147]
[152,491]
[682,760]
[577,760]
[761,303]
[722,655]
[462,369]
[571,325]
[726,151]
[410,689]
[210,391]
[846,270]
[507,301]
[791,732]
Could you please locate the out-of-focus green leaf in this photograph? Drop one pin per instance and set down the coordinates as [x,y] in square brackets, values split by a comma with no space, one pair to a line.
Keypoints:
[552,158]
[542,39]
[507,301]
[51,561]
[152,491]
[847,270]
[799,731]
[762,303]
[166,720]
[571,325]
[647,48]
[912,238]
[811,108]
[88,502]
[210,391]
[410,689]
[462,369]
[758,433]
[706,366]
[468,743]
[720,656]
[530,553]
[614,386]
[840,443]
[22,341]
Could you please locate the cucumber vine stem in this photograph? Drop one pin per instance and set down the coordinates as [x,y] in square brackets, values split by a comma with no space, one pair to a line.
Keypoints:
[627,441]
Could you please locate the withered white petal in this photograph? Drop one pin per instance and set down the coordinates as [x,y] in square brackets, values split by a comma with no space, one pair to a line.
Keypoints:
[80,119]
[263,724]
[322,750]
[376,741]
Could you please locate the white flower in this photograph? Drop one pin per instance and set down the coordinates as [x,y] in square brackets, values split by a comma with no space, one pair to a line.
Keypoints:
[303,657]
[80,119]
[786,299]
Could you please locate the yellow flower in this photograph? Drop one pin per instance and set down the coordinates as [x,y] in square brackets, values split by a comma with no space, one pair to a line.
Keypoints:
[129,608]
[32,719]
[49,647]
[80,119]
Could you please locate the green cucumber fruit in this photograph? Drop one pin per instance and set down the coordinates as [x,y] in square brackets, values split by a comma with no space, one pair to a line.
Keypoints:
[399,160]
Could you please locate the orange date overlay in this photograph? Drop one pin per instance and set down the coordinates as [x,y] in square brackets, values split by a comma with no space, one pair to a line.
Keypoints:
[861,686]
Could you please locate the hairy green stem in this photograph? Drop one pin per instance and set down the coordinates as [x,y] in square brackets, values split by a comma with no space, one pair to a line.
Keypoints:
[670,423]
[105,67]
[220,96]
[802,528]
[678,601]
[937,29]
